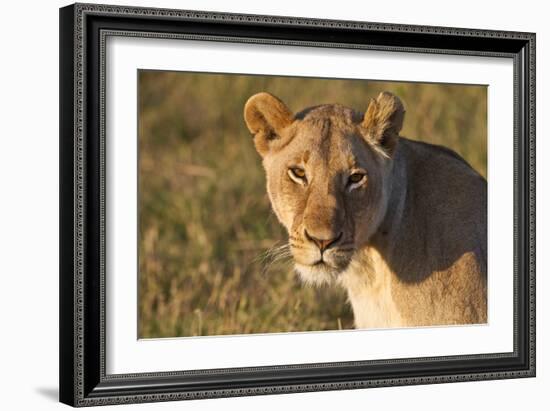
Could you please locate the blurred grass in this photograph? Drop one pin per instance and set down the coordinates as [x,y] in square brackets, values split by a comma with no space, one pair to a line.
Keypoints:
[205,219]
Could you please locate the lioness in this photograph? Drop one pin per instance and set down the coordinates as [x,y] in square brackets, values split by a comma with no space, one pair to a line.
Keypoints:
[401,224]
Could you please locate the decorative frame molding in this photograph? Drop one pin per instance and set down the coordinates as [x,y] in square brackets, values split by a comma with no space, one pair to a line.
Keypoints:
[83,32]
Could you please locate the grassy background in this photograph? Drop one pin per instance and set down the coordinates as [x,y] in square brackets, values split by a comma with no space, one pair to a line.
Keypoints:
[205,219]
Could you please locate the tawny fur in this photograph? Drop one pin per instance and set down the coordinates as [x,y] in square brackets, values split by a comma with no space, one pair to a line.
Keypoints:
[409,244]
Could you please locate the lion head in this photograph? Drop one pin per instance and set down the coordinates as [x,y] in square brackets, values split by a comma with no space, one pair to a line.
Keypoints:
[328,175]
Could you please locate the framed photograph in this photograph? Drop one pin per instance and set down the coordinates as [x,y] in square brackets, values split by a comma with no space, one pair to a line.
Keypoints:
[260,204]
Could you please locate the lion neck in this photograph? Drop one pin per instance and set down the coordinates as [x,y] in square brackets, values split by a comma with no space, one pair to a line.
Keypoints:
[368,279]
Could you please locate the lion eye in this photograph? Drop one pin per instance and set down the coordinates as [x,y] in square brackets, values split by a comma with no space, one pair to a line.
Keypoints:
[356,179]
[297,174]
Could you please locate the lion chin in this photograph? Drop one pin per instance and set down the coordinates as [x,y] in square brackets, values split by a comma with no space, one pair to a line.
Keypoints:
[317,274]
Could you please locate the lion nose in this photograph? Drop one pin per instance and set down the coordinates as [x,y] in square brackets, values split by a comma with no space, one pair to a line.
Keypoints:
[323,244]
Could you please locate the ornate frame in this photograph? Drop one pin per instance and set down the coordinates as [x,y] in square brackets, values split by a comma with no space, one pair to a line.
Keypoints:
[83,30]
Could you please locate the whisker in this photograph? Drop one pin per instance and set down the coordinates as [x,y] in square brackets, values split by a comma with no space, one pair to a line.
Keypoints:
[275,254]
[345,244]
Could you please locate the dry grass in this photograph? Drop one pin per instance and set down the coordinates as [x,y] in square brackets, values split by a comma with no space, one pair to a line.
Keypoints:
[206,228]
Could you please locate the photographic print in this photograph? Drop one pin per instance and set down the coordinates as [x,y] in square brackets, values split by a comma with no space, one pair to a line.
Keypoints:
[254,204]
[272,204]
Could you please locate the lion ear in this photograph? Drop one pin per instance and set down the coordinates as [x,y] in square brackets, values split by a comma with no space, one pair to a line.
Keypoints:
[266,117]
[383,121]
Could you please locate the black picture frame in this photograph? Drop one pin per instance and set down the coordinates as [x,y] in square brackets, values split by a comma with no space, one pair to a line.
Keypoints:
[83,29]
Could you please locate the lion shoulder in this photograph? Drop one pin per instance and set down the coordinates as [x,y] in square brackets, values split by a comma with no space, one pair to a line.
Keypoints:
[442,244]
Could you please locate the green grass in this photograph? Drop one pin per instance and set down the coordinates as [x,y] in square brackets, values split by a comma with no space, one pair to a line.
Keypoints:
[205,219]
